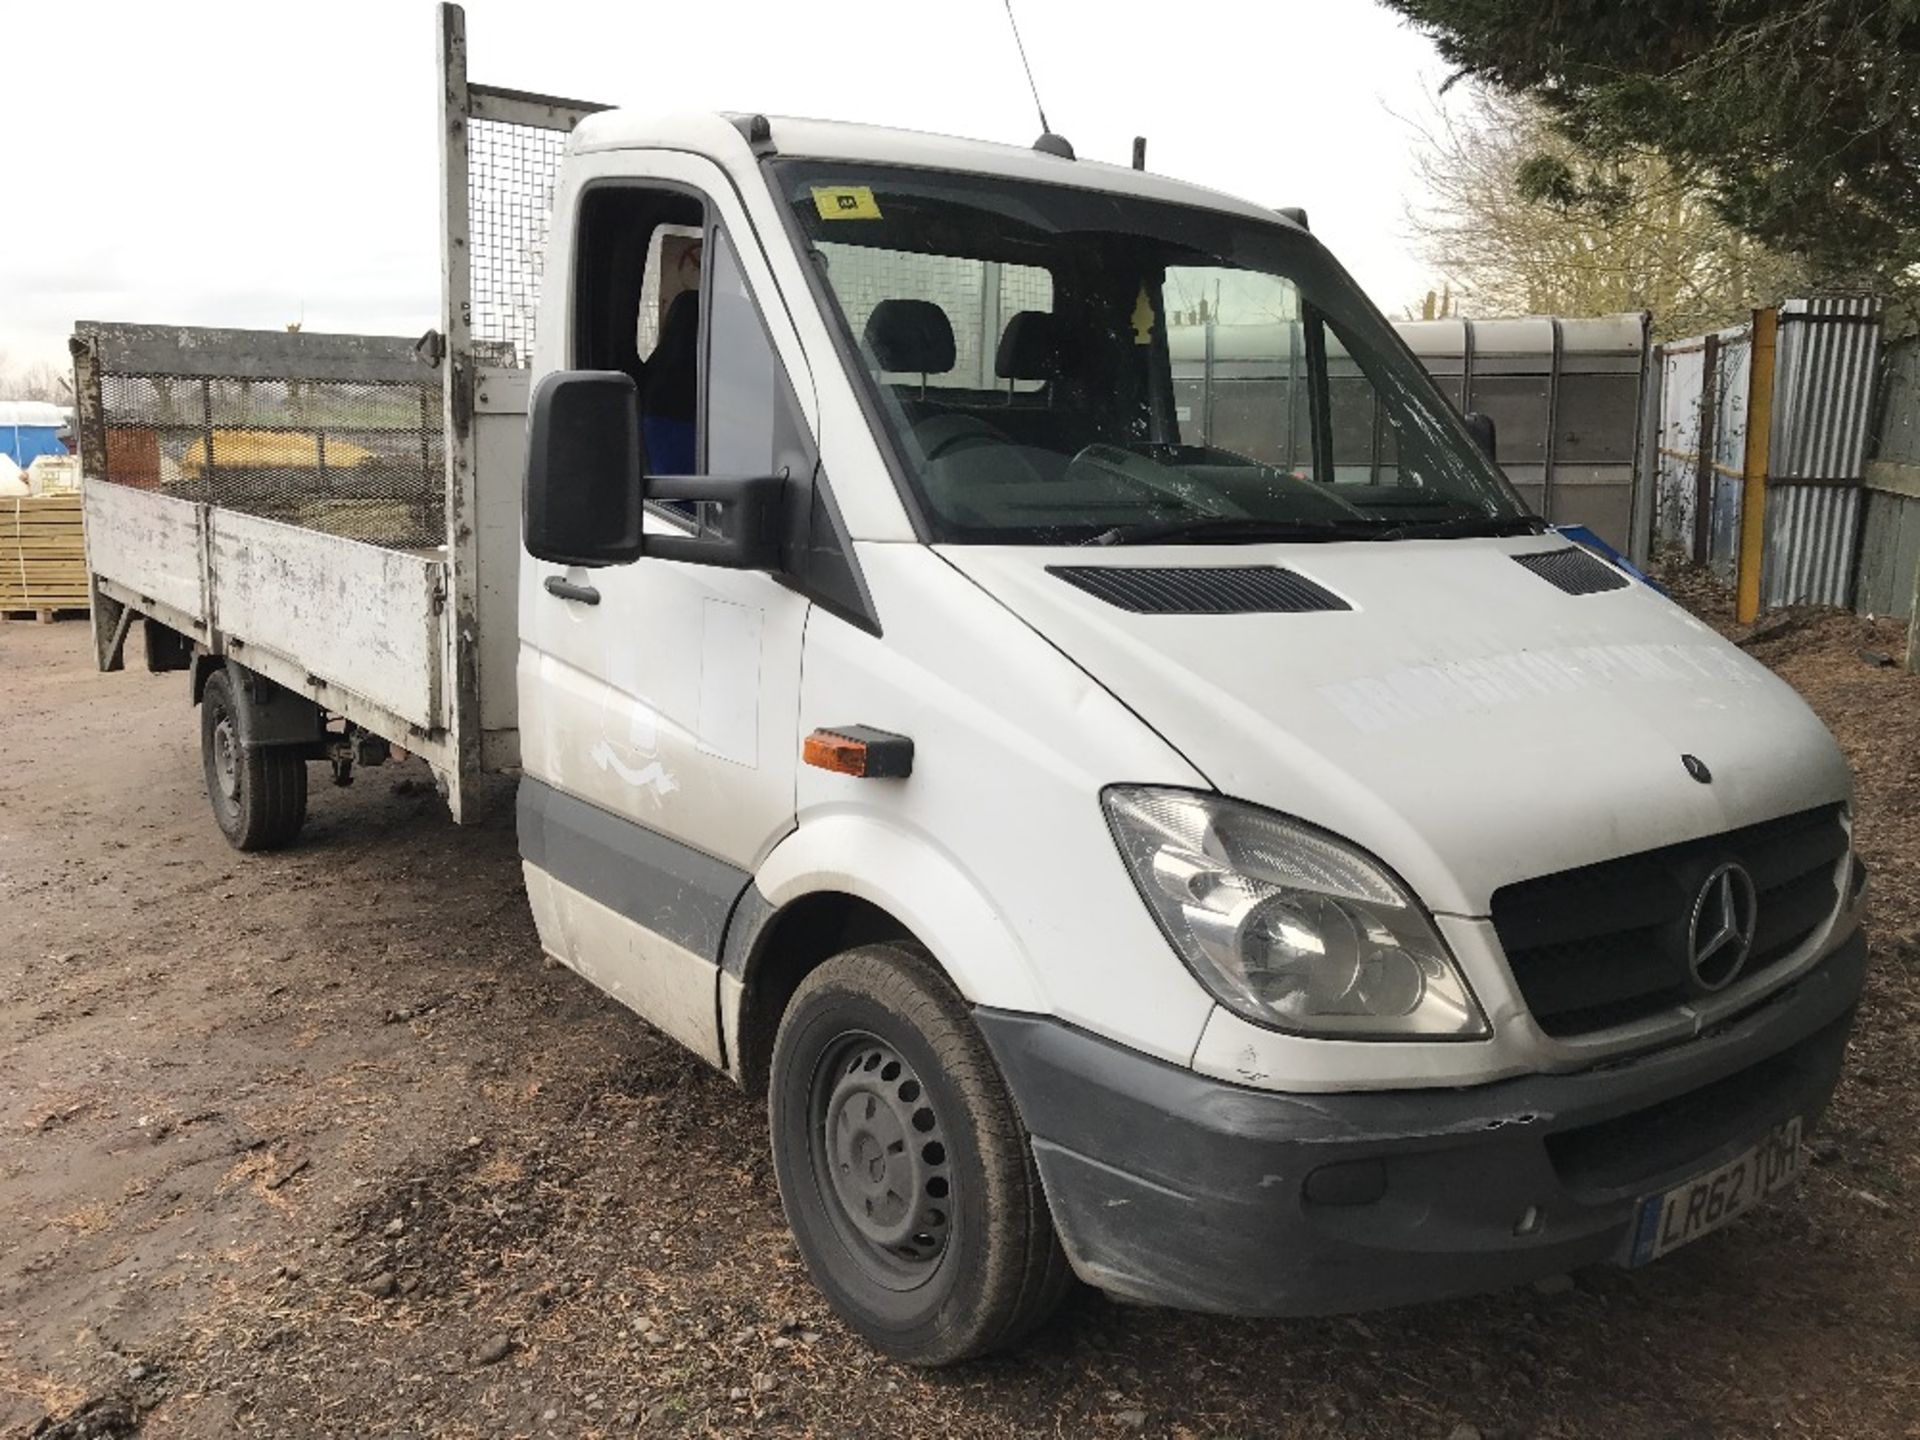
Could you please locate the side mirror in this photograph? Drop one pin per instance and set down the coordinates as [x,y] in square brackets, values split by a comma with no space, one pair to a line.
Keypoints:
[1480,427]
[581,501]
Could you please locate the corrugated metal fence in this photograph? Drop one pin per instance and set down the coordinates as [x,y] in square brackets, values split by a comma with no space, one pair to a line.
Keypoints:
[1890,521]
[1805,473]
[1823,405]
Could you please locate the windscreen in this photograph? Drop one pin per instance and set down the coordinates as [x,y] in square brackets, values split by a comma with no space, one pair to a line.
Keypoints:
[1055,365]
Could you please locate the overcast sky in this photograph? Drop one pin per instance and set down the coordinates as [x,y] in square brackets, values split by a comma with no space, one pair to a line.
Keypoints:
[259,163]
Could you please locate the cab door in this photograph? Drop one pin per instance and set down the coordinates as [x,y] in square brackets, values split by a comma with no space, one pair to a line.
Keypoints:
[659,699]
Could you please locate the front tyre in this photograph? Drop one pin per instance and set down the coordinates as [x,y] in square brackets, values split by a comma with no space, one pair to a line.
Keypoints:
[259,794]
[906,1173]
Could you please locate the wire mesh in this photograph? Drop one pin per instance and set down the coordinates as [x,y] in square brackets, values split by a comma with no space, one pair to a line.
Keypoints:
[511,170]
[978,297]
[361,459]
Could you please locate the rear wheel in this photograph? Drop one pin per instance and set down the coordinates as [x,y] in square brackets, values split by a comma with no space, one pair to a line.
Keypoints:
[259,795]
[907,1176]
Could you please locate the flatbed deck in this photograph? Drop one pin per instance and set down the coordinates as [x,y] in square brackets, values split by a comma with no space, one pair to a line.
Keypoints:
[283,501]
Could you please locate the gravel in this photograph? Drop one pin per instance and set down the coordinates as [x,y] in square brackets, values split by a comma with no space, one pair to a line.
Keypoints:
[617,1185]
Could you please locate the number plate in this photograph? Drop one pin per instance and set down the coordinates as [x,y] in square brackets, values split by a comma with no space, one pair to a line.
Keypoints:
[1689,1211]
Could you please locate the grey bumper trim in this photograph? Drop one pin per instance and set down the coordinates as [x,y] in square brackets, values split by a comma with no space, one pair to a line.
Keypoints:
[1177,1189]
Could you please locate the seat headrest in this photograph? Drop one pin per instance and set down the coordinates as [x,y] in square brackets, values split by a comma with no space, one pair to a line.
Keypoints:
[681,326]
[1029,347]
[670,383]
[911,336]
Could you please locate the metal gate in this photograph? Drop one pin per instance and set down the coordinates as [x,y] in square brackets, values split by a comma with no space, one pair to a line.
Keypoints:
[1760,445]
[1565,396]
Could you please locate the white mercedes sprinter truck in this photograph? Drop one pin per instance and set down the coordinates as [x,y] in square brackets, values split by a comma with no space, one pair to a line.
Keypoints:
[1251,878]
[1242,859]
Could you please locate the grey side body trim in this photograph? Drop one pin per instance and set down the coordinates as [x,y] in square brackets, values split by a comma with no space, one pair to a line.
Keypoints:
[750,918]
[651,879]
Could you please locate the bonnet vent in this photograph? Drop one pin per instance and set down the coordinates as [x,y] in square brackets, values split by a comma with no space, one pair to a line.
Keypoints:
[1574,571]
[1200,590]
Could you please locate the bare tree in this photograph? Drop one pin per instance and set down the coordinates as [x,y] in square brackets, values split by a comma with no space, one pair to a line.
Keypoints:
[1631,236]
[39,380]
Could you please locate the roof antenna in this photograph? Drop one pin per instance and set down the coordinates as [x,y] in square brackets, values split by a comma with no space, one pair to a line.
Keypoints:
[1048,143]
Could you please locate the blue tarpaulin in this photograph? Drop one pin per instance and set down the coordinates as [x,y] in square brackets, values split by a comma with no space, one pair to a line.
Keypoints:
[30,429]
[26,443]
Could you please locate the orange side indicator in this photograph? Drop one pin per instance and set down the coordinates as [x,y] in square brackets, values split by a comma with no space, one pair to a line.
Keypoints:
[835,752]
[858,751]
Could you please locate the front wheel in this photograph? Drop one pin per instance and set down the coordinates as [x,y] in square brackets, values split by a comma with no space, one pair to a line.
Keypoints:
[259,794]
[905,1171]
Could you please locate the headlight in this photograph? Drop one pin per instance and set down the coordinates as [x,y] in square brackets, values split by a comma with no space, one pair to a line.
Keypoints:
[1286,925]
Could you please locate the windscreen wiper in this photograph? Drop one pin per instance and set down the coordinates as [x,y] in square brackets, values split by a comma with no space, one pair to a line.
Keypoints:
[1236,529]
[1463,527]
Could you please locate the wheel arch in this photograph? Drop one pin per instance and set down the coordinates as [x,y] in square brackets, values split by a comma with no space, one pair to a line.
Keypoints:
[841,882]
[204,666]
[268,713]
[778,948]
[258,790]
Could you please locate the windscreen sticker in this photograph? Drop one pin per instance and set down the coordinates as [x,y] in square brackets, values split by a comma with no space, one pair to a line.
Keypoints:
[845,202]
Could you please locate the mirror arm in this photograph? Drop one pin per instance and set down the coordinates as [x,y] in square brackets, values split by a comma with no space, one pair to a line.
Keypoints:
[756,512]
[724,489]
[1480,426]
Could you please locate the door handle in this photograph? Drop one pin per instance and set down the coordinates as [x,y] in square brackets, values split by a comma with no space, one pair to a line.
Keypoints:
[567,590]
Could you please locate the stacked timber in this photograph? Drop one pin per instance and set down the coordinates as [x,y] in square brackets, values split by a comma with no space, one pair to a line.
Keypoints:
[43,557]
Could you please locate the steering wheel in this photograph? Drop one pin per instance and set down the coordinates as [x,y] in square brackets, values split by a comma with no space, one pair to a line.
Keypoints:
[943,435]
[1149,474]
[1322,498]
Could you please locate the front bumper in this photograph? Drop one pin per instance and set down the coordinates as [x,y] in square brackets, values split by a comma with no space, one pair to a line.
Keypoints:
[1176,1189]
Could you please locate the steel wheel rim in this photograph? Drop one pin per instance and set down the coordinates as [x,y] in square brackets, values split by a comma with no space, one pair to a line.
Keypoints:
[226,759]
[880,1161]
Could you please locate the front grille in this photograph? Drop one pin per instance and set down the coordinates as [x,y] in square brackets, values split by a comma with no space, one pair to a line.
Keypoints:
[1606,944]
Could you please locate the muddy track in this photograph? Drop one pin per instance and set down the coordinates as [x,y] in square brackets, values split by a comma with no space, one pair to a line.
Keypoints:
[315,1144]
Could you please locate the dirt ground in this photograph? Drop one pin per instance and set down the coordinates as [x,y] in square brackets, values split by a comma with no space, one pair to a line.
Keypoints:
[314,1144]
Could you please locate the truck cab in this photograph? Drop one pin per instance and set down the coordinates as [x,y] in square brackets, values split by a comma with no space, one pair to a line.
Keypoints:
[1245,879]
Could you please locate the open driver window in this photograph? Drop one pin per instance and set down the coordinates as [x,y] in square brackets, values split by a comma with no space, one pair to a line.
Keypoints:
[637,298]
